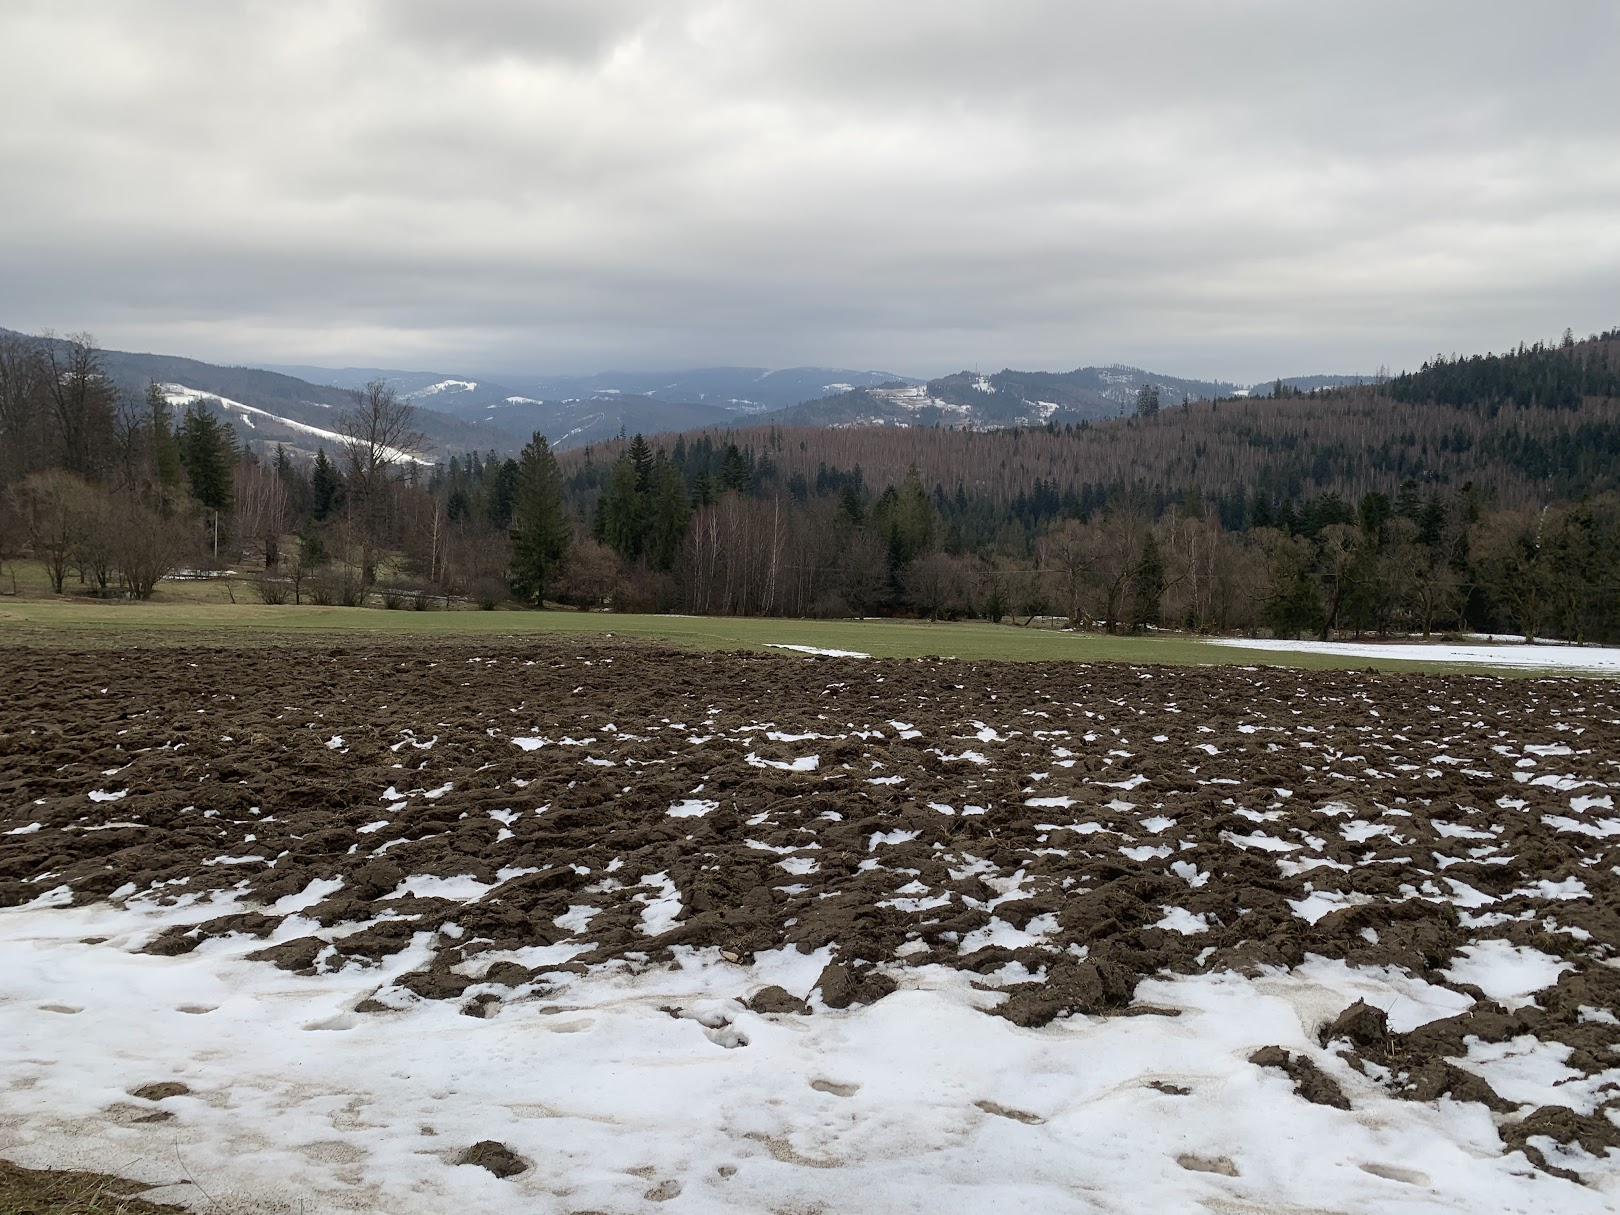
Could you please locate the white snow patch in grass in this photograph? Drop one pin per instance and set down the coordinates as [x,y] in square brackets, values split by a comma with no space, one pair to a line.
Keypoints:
[335,743]
[532,743]
[1549,657]
[28,830]
[97,795]
[810,649]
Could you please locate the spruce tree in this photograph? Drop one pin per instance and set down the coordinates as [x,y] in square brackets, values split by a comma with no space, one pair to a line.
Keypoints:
[165,449]
[539,523]
[641,459]
[668,514]
[325,487]
[620,512]
[207,450]
[734,471]
[1147,585]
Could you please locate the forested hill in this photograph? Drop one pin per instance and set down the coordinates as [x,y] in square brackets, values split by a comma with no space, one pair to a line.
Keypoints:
[1520,438]
[1534,377]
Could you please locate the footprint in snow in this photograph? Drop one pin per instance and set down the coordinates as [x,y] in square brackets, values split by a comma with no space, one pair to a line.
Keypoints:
[836,1089]
[1207,1164]
[1002,1111]
[1392,1172]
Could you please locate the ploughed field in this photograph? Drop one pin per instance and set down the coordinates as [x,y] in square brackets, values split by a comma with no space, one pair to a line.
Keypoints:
[726,931]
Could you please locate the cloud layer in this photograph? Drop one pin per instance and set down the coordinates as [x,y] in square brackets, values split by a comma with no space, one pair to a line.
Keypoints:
[1239,189]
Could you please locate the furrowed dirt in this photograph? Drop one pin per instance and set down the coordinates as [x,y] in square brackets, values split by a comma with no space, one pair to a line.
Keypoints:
[1061,831]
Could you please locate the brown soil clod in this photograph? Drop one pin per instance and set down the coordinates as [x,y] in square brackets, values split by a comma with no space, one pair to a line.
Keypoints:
[1310,1081]
[161,1090]
[494,1156]
[776,999]
[842,986]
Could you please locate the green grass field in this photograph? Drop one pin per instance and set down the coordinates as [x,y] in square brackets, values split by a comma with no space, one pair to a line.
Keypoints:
[201,613]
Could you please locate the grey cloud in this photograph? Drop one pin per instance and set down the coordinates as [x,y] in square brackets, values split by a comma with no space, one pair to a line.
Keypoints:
[1239,189]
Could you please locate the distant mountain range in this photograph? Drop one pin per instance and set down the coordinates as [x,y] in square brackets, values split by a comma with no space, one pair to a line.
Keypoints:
[298,405]
[574,410]
[736,390]
[1019,398]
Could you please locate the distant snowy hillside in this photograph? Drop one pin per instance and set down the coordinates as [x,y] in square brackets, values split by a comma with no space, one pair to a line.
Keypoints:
[267,426]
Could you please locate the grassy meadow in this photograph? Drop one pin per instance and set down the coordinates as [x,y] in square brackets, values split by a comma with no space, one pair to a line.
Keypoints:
[220,612]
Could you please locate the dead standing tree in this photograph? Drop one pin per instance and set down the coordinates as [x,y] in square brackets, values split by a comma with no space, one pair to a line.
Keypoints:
[378,432]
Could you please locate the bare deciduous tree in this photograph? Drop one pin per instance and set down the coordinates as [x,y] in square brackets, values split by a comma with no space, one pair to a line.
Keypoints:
[82,403]
[263,510]
[53,506]
[379,432]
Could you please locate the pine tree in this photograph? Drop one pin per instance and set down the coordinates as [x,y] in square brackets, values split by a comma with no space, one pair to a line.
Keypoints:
[540,530]
[1147,400]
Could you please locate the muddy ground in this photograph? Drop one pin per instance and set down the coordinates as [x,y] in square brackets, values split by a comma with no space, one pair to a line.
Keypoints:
[1061,831]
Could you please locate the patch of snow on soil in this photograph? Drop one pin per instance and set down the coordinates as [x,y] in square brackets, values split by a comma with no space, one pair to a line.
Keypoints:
[917,1104]
[661,910]
[805,763]
[692,808]
[1506,972]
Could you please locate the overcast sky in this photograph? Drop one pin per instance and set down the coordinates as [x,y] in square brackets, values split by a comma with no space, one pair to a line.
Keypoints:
[1237,189]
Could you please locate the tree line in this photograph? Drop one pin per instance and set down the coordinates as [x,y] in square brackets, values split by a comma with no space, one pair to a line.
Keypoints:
[1237,515]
